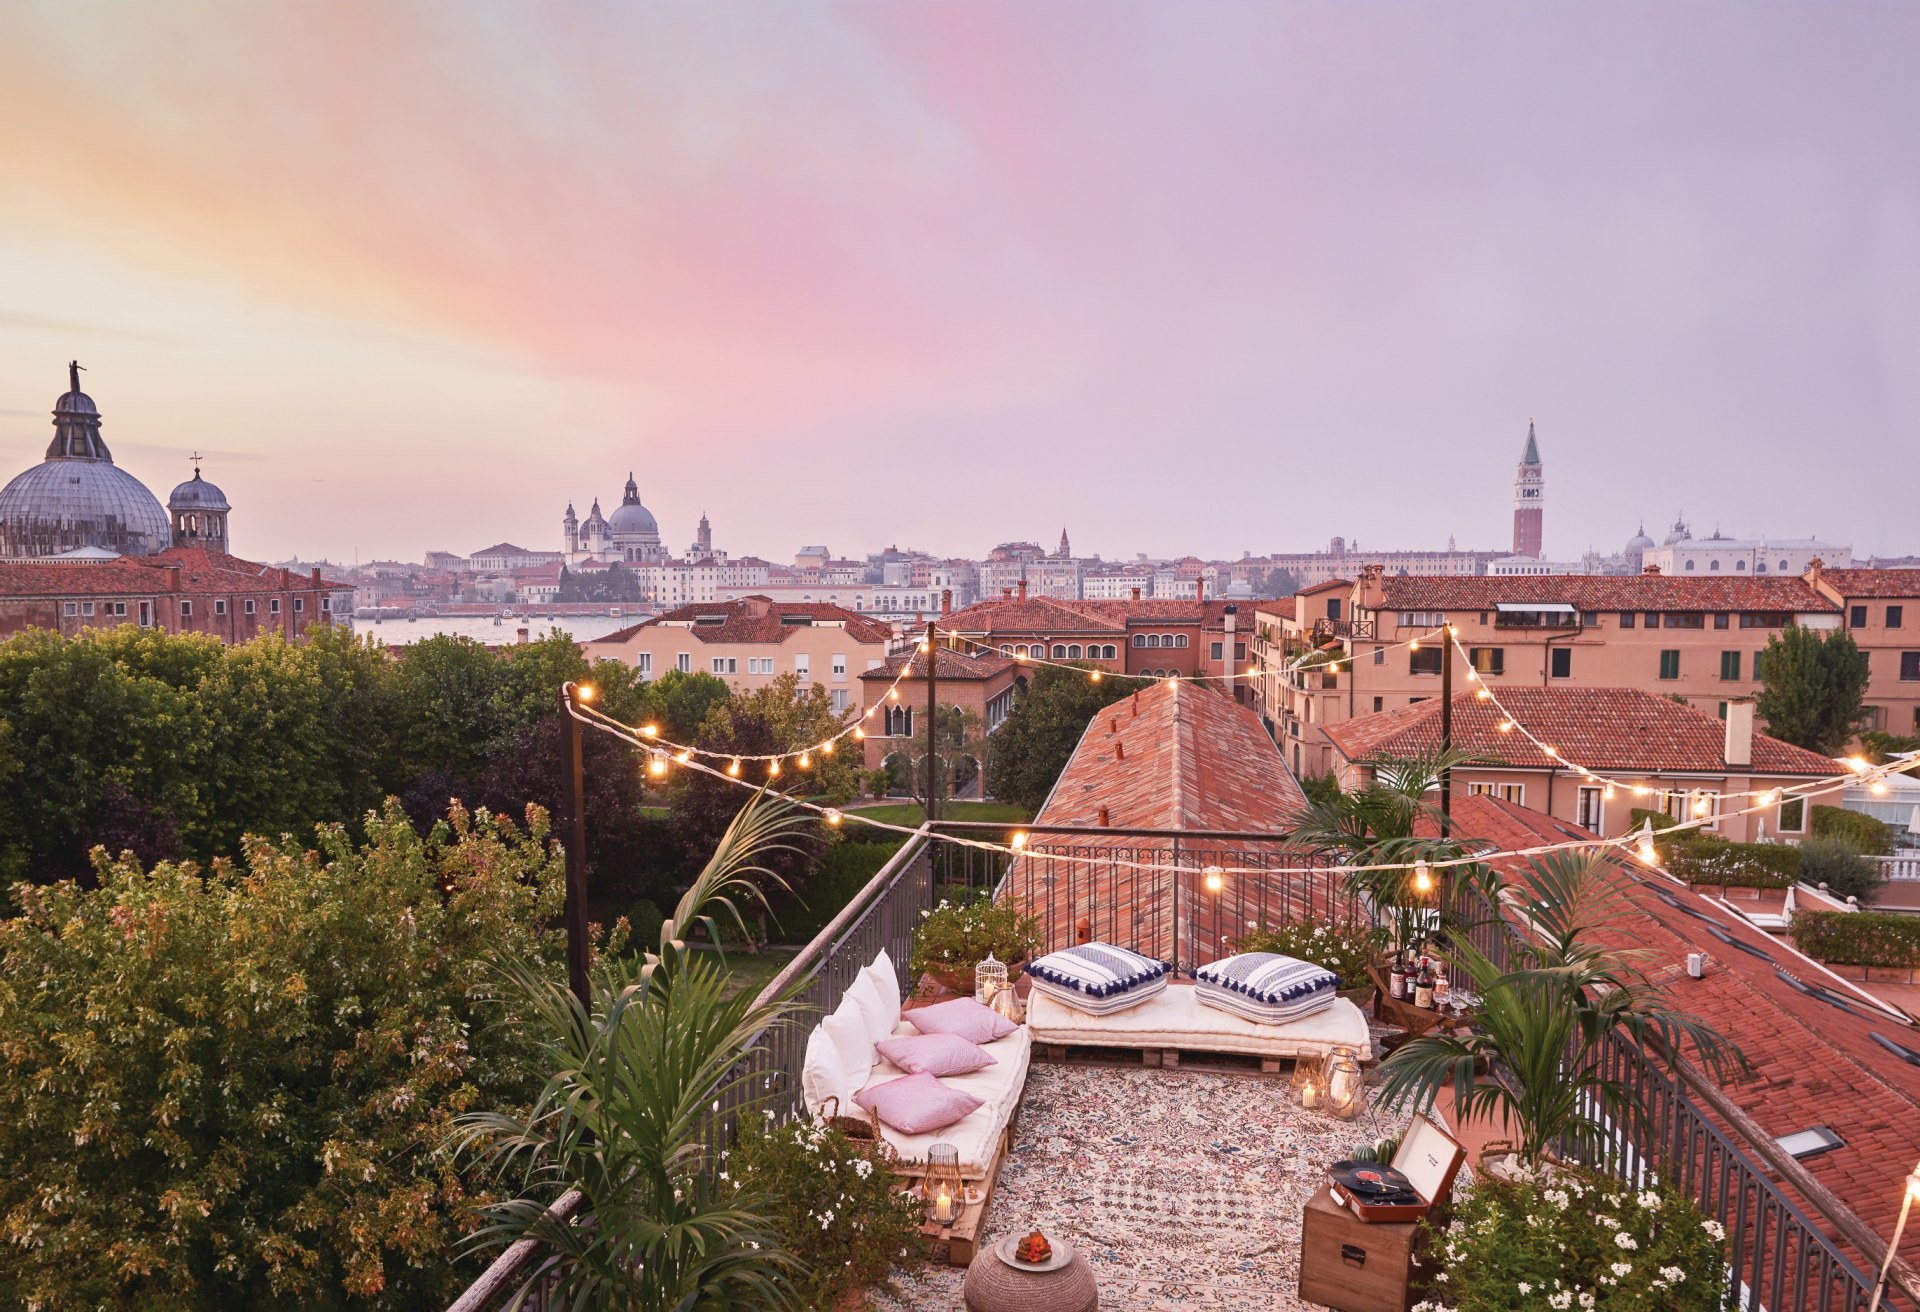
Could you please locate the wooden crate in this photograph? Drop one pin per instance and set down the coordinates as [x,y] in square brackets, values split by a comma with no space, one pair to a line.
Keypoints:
[962,1237]
[1199,1059]
[1351,1265]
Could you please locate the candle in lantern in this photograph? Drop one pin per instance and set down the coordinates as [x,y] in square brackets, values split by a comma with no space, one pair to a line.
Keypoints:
[1309,1096]
[943,1206]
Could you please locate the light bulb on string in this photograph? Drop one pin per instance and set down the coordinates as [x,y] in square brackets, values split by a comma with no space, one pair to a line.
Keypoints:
[1482,694]
[826,748]
[858,733]
[1095,676]
[893,694]
[1506,726]
[586,692]
[773,769]
[686,754]
[1413,645]
[1214,878]
[733,767]
[1018,841]
[1422,876]
[1701,805]
[657,762]
[832,816]
[1648,854]
[1878,786]
[806,761]
[1858,764]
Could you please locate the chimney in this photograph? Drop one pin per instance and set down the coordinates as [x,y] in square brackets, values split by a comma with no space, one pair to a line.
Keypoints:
[1006,594]
[1023,588]
[316,576]
[1136,594]
[946,602]
[1200,590]
[1651,569]
[1115,722]
[1106,819]
[1739,750]
[1815,568]
[520,635]
[1119,750]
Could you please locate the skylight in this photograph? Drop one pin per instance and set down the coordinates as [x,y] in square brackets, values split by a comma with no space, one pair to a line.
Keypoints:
[1900,1050]
[1803,1144]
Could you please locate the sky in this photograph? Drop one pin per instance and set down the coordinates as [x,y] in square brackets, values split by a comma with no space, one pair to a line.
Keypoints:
[1179,277]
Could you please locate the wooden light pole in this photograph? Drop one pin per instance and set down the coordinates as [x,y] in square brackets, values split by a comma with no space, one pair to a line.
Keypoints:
[1446,728]
[933,725]
[573,833]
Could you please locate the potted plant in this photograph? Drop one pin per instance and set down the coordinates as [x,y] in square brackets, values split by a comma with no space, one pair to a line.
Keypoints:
[954,937]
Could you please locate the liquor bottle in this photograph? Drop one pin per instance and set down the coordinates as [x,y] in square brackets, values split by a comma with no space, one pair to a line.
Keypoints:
[1423,986]
[1397,979]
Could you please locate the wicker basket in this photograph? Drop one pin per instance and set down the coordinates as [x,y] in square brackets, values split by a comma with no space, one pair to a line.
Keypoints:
[862,1130]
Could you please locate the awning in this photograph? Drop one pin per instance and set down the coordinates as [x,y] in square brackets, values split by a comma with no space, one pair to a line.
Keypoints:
[1534,607]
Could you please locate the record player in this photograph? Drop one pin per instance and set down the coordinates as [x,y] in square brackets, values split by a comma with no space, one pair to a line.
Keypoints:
[1420,1175]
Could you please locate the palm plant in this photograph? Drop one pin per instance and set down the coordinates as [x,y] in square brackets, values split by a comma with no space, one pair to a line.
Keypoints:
[1549,1017]
[629,1117]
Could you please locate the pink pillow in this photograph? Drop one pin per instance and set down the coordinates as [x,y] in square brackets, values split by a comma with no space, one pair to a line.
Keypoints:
[917,1104]
[961,1016]
[935,1054]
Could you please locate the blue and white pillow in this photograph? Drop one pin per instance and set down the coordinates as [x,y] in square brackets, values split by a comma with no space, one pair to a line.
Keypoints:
[1265,987]
[1098,978]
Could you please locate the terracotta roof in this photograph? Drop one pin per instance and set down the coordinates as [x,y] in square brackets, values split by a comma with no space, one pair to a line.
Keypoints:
[1187,758]
[1873,582]
[1600,728]
[1815,1057]
[1289,607]
[507,549]
[1322,587]
[1657,592]
[1034,615]
[200,571]
[948,664]
[757,619]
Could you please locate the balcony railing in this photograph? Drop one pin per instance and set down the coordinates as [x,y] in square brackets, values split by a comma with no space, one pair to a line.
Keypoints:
[1781,1256]
[1361,629]
[1901,866]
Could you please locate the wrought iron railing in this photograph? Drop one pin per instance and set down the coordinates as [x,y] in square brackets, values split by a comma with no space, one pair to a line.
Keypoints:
[1364,630]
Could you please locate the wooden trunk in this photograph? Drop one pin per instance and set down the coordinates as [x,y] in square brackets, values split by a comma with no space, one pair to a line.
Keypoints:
[1352,1265]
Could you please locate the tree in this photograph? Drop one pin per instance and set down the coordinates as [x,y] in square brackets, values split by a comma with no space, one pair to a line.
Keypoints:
[1034,744]
[962,735]
[614,583]
[1280,583]
[232,1086]
[1813,688]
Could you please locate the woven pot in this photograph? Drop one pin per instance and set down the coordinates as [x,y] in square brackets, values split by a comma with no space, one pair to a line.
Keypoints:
[863,1130]
[993,1286]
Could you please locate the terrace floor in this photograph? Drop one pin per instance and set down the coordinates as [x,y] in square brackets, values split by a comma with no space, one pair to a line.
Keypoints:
[1183,1188]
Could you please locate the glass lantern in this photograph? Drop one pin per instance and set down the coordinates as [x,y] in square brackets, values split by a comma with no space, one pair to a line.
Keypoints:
[942,1192]
[1309,1084]
[1006,1002]
[989,977]
[1344,1095]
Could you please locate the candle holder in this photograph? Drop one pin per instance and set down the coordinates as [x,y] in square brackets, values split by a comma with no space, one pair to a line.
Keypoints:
[1345,1096]
[1308,1085]
[989,977]
[941,1191]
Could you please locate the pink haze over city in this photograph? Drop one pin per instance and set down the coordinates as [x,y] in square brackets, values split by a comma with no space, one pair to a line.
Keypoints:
[1177,277]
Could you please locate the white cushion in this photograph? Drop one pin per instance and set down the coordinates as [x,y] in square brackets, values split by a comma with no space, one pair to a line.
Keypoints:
[1099,978]
[864,995]
[822,1075]
[846,1030]
[1266,987]
[1176,1019]
[886,982]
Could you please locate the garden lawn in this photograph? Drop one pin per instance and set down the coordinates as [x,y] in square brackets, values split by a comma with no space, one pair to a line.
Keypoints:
[913,814]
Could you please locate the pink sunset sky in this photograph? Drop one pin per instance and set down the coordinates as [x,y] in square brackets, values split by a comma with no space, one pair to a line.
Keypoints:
[1203,277]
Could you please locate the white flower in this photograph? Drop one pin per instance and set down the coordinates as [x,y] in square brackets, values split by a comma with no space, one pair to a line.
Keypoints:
[1649,1199]
[1622,1268]
[1524,1288]
[1563,1299]
[1586,1300]
[1608,1222]
[1715,1229]
[1626,1240]
[1674,1274]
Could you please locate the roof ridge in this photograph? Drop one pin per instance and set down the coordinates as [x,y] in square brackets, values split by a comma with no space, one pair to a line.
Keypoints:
[1177,799]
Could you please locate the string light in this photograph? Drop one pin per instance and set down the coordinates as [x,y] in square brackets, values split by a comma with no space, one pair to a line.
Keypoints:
[1648,854]
[826,748]
[586,692]
[832,816]
[1019,840]
[684,756]
[1701,805]
[1422,876]
[649,731]
[1506,726]
[733,767]
[1877,787]
[806,761]
[657,764]
[1095,676]
[1215,878]
[1858,764]
[773,769]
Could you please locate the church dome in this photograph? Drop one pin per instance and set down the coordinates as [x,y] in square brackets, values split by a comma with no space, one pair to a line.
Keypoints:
[633,519]
[197,494]
[1640,541]
[77,497]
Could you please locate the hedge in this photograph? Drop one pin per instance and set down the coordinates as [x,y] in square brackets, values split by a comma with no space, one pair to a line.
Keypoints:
[1641,815]
[1858,938]
[844,870]
[1862,832]
[1706,860]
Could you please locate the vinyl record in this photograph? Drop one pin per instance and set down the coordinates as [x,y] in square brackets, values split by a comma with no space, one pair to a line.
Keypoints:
[1372,1182]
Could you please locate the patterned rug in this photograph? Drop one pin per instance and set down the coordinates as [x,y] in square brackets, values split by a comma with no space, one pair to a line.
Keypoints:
[1183,1188]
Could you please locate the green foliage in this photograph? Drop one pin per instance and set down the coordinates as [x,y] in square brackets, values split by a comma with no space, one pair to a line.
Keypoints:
[1703,859]
[1835,863]
[1858,938]
[1549,1017]
[627,1116]
[1579,1240]
[1881,746]
[843,870]
[1861,832]
[1813,687]
[1345,948]
[959,935]
[1640,816]
[230,1087]
[842,1215]
[1030,749]
[1321,789]
[614,583]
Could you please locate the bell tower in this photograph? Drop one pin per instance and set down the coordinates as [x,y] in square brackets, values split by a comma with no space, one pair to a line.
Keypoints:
[1529,493]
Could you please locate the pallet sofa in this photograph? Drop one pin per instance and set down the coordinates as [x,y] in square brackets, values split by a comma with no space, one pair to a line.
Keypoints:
[1174,1022]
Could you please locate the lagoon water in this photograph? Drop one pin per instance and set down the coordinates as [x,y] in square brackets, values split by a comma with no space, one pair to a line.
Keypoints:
[397,632]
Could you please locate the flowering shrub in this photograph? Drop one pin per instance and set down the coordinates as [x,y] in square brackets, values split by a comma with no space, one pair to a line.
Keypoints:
[1570,1240]
[958,936]
[1346,948]
[840,1212]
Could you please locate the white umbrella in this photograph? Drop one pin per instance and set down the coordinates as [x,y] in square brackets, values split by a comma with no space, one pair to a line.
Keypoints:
[1913,821]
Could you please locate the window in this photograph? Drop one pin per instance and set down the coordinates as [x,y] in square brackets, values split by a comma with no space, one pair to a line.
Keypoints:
[86,608]
[1686,619]
[839,667]
[1561,662]
[1073,651]
[326,604]
[726,665]
[1059,651]
[1706,802]
[1239,651]
[1857,617]
[299,604]
[1730,666]
[71,608]
[247,605]
[1692,564]
[1895,614]
[1670,663]
[1379,655]
[1110,652]
[1763,620]
[186,610]
[273,605]
[1215,652]
[1587,809]
[1421,619]
[220,608]
[1653,619]
[1626,619]
[1515,793]
[1759,669]
[1488,660]
[117,609]
[1139,639]
[839,699]
[146,614]
[1479,790]
[683,662]
[1333,608]
[1909,666]
[1177,640]
[1590,619]
[803,665]
[759,665]
[1712,565]
[643,664]
[1424,661]
[1720,618]
[1379,703]
[899,722]
[1793,815]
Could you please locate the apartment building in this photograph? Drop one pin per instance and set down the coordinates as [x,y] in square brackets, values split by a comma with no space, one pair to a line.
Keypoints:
[752,641]
[1141,636]
[980,684]
[1649,753]
[1694,640]
[1875,605]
